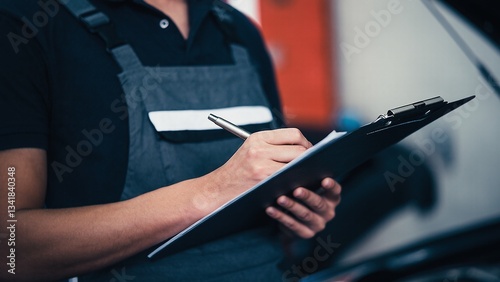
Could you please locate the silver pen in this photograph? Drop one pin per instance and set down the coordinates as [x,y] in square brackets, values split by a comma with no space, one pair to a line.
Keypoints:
[234,129]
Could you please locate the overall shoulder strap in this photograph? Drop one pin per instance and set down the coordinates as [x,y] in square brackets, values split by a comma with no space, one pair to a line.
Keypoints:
[95,21]
[99,23]
[224,18]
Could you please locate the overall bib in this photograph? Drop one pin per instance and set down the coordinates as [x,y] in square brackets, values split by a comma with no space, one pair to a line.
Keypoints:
[171,140]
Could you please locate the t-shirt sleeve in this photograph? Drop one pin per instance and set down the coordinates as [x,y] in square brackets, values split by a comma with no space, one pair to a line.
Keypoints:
[24,107]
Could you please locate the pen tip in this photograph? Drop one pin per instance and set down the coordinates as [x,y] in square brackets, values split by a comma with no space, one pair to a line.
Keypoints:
[212,117]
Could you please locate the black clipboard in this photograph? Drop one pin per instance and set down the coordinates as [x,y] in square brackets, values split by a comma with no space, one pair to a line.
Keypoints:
[329,158]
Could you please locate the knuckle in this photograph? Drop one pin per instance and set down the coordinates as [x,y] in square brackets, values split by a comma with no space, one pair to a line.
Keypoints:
[306,216]
[258,172]
[320,204]
[290,204]
[253,152]
[290,224]
[296,134]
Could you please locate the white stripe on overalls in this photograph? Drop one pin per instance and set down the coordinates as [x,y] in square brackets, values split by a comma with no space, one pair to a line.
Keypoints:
[198,119]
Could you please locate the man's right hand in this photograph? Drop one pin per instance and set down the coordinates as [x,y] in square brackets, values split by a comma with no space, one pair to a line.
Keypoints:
[262,154]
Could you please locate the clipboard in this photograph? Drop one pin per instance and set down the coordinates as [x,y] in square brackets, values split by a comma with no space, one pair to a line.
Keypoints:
[333,157]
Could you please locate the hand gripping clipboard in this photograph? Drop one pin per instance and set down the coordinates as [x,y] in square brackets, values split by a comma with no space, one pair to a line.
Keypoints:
[332,157]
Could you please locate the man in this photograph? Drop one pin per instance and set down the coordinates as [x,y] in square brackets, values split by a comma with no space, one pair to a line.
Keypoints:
[108,167]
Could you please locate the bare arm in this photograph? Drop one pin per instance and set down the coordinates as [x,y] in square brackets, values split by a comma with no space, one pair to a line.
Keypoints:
[53,244]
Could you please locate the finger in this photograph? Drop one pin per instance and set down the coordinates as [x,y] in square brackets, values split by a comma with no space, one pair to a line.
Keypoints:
[285,154]
[284,136]
[323,204]
[278,153]
[289,222]
[329,183]
[318,204]
[332,190]
[314,221]
[266,160]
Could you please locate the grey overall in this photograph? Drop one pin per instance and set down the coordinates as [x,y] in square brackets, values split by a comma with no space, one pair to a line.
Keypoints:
[160,156]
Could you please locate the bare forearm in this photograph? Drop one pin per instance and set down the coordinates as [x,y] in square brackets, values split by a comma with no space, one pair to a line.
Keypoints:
[53,244]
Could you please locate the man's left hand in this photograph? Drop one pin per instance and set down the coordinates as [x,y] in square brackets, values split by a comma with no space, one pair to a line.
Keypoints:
[310,216]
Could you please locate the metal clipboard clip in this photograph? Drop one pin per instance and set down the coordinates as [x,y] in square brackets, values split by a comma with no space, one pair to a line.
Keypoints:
[411,111]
